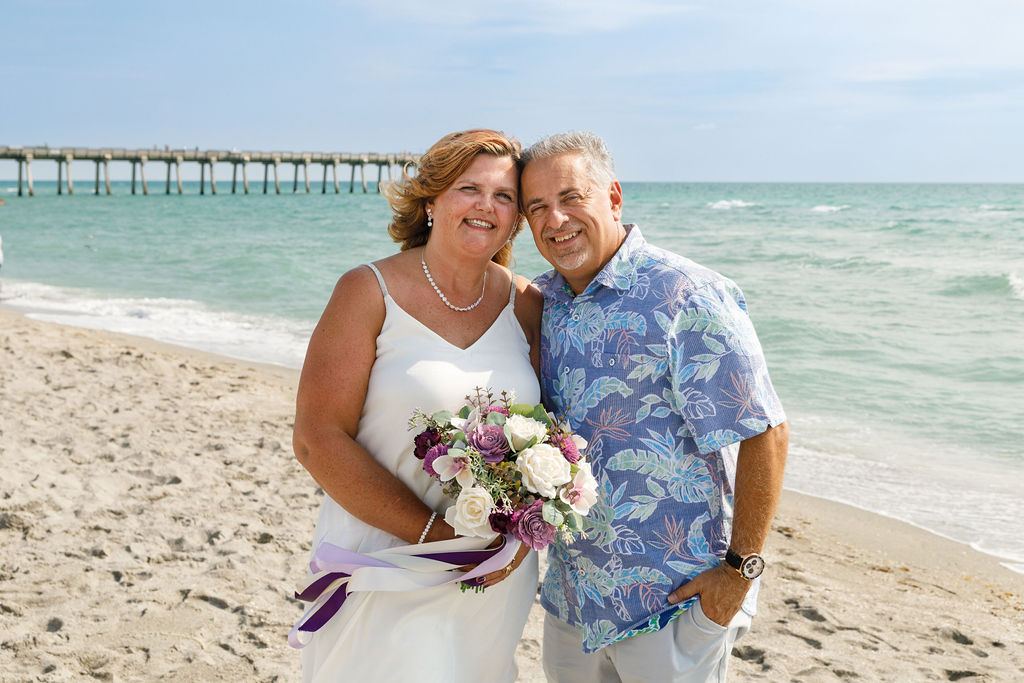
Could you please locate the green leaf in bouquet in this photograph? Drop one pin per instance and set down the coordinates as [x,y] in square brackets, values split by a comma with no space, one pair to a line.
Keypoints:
[524,409]
[442,417]
[551,514]
[574,521]
[495,419]
[464,412]
[541,415]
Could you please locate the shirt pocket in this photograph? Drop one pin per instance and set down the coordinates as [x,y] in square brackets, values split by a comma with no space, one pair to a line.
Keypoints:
[611,357]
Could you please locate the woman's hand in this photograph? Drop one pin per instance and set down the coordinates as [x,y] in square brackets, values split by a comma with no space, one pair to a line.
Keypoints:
[499,575]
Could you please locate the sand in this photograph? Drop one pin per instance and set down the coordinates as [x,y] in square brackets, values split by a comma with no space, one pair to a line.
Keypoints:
[153,523]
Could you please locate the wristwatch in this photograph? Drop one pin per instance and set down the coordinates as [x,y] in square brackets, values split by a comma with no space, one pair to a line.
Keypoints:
[749,567]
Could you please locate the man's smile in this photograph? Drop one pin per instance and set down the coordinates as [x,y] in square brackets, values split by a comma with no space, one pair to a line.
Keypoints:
[565,238]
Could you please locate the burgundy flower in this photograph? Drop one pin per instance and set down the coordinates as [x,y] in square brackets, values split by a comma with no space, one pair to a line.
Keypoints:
[566,445]
[528,526]
[433,454]
[501,521]
[425,441]
[490,441]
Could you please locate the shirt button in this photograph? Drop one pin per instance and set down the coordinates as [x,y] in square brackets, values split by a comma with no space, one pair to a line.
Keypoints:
[565,370]
[611,361]
[576,317]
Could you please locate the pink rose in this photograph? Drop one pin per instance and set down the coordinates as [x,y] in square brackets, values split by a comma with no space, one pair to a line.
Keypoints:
[490,441]
[528,526]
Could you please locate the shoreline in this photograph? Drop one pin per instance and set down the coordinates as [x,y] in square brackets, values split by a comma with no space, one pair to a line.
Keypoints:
[154,523]
[283,371]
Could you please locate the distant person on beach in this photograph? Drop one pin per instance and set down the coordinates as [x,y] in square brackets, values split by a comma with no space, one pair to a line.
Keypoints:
[654,360]
[420,329]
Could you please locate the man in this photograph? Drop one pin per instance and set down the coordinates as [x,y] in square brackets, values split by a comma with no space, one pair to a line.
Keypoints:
[653,359]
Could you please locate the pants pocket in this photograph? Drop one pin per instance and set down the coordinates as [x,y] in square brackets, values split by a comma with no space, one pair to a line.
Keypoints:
[703,622]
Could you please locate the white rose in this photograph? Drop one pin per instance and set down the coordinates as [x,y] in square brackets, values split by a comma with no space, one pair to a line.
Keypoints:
[470,516]
[544,469]
[520,429]
[581,494]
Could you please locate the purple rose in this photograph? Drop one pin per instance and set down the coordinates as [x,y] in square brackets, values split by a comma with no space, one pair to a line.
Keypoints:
[425,441]
[528,526]
[501,521]
[490,441]
[566,445]
[432,455]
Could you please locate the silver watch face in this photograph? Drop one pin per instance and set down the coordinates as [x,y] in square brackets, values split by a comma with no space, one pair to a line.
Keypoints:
[752,567]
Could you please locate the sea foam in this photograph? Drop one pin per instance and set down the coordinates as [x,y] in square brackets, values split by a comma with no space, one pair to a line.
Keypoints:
[1017,285]
[726,204]
[825,208]
[260,338]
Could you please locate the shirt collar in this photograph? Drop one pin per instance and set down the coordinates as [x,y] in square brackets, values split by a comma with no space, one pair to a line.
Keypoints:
[616,274]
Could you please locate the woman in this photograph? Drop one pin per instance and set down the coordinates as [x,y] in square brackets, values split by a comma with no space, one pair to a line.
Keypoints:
[420,329]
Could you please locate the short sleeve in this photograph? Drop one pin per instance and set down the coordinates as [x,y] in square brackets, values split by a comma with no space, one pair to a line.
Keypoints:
[720,383]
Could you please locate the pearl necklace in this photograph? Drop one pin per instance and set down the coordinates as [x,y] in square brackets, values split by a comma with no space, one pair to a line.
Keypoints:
[460,309]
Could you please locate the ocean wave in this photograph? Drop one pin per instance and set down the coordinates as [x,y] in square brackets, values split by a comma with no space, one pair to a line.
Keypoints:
[260,338]
[727,204]
[970,285]
[825,208]
[878,483]
[995,207]
[1016,285]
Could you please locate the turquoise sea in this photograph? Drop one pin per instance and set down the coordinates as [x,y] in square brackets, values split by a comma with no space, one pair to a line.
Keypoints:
[892,315]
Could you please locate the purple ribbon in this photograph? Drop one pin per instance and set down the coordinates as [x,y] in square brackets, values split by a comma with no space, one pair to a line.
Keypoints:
[331,563]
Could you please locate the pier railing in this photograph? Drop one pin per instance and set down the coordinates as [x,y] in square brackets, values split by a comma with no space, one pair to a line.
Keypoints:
[174,158]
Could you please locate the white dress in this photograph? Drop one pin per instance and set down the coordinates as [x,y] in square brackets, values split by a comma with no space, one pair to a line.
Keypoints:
[434,634]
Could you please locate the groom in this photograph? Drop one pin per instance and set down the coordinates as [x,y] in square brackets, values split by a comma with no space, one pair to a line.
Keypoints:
[653,359]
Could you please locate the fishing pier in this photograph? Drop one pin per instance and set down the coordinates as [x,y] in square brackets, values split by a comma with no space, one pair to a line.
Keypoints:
[207,160]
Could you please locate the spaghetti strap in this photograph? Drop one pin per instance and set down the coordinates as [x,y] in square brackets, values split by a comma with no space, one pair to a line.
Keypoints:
[512,294]
[380,278]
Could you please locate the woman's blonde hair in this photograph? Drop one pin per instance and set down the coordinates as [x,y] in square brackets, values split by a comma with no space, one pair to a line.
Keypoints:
[437,170]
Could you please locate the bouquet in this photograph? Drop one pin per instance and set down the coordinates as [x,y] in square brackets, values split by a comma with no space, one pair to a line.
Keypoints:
[511,468]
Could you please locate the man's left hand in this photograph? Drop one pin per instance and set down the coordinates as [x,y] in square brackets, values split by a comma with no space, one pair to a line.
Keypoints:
[721,590]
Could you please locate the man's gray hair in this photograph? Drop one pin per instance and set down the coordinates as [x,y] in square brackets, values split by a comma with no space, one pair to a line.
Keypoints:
[592,147]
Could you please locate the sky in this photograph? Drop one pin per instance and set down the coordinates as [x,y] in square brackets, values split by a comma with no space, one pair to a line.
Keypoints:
[802,91]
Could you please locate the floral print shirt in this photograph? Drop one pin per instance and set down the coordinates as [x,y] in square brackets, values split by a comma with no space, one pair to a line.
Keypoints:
[657,365]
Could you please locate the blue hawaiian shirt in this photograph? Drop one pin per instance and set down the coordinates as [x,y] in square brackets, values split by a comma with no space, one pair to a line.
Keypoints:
[657,365]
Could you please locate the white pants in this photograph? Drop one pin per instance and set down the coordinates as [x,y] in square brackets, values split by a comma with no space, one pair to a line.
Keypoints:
[692,649]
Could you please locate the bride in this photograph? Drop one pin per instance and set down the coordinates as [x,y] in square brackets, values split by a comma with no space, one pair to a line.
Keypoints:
[420,329]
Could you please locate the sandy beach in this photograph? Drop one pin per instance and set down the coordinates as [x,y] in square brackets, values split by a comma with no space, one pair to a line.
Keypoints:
[153,523]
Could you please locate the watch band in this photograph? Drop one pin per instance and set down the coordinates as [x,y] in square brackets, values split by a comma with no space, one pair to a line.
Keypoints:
[734,559]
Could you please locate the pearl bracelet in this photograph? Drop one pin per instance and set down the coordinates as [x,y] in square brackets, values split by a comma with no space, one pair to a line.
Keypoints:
[430,522]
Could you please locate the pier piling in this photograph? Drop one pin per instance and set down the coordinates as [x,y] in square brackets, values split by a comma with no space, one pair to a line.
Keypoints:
[24,156]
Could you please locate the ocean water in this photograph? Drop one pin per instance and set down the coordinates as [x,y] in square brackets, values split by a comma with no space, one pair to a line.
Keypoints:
[892,315]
